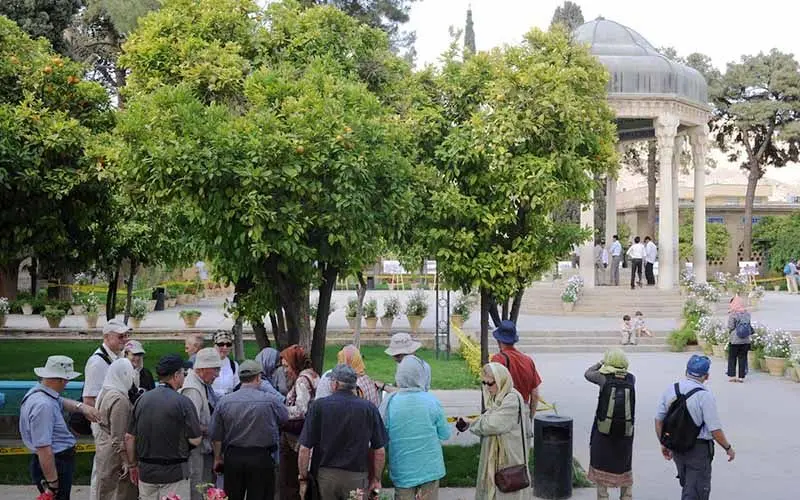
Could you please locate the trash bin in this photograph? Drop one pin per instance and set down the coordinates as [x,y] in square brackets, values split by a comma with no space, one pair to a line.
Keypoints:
[370,282]
[159,294]
[552,450]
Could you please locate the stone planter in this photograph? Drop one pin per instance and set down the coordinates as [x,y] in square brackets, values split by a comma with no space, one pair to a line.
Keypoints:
[797,372]
[708,349]
[54,322]
[352,322]
[776,366]
[190,321]
[372,323]
[386,322]
[136,323]
[718,350]
[91,320]
[78,309]
[791,373]
[568,306]
[3,319]
[151,305]
[457,320]
[172,302]
[762,364]
[414,322]
[776,288]
[27,309]
[751,359]
[183,299]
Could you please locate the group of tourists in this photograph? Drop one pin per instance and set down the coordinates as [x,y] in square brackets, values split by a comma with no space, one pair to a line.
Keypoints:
[274,424]
[641,256]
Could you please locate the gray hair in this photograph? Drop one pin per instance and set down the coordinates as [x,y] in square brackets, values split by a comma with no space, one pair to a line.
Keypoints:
[345,376]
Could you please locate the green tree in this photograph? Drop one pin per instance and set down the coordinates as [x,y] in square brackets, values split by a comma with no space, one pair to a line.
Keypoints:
[42,18]
[279,129]
[469,35]
[568,15]
[512,142]
[779,239]
[53,202]
[718,240]
[757,119]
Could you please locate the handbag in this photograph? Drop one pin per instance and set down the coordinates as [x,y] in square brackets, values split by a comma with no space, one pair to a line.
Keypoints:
[515,477]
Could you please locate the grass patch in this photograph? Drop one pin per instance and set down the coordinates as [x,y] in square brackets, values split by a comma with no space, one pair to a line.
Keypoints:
[461,464]
[21,356]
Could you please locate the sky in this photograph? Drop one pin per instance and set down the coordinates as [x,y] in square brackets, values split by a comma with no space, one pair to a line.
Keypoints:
[712,27]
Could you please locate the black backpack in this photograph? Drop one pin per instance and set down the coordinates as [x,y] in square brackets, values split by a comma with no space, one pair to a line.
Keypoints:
[78,423]
[679,432]
[616,407]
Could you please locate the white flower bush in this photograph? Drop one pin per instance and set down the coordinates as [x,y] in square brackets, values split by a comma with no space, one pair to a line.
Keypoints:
[778,344]
[705,291]
[573,289]
[713,331]
[687,278]
[5,307]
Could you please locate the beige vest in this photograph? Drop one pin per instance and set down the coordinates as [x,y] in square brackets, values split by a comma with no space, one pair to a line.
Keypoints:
[193,383]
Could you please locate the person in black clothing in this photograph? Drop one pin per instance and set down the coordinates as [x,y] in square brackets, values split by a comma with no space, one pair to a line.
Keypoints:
[144,380]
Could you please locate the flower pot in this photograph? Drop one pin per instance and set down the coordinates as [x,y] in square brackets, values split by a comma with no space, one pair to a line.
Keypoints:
[172,302]
[414,322]
[372,323]
[708,349]
[797,372]
[54,322]
[718,350]
[568,306]
[776,288]
[386,322]
[751,359]
[352,322]
[190,321]
[457,320]
[775,366]
[136,322]
[91,320]
[151,305]
[183,299]
[762,364]
[791,373]
[78,309]
[3,319]
[27,309]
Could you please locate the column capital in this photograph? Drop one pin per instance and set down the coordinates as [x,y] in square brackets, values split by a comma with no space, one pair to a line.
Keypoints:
[698,136]
[666,128]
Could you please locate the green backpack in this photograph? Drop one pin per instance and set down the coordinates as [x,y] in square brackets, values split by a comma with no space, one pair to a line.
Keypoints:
[616,406]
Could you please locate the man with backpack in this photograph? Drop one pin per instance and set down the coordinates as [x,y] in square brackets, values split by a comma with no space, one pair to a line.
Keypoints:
[687,424]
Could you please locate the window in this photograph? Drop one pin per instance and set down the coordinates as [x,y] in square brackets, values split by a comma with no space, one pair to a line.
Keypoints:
[715,220]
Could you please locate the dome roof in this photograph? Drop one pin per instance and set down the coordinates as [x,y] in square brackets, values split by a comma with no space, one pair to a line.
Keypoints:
[636,67]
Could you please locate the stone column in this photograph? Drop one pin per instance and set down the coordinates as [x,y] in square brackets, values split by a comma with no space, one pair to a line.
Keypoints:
[699,141]
[666,127]
[676,187]
[611,211]
[587,249]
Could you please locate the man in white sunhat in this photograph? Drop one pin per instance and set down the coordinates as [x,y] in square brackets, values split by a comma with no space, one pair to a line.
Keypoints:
[44,430]
[401,346]
[197,387]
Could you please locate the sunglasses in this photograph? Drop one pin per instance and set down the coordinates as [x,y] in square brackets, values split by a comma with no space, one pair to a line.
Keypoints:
[123,336]
[490,384]
[224,344]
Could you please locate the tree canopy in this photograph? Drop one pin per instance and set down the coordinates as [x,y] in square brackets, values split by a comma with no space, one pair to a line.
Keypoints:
[569,16]
[42,18]
[779,238]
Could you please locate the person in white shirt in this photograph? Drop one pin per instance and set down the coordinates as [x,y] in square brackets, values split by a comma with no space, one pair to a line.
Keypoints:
[616,260]
[637,254]
[651,253]
[228,377]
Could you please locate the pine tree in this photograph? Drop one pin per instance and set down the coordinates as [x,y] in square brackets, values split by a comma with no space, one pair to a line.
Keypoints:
[469,35]
[568,15]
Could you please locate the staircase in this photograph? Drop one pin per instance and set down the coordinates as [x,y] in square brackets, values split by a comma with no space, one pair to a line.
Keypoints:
[583,341]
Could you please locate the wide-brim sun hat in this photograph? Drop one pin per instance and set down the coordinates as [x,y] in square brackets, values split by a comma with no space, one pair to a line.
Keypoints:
[57,367]
[506,333]
[402,343]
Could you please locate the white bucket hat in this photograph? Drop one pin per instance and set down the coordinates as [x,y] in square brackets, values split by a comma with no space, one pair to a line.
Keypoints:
[57,367]
[207,358]
[402,343]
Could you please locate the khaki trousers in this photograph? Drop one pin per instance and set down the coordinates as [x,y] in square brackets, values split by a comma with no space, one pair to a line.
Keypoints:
[148,491]
[201,467]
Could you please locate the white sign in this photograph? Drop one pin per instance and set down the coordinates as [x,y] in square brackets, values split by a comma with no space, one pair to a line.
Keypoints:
[393,267]
[430,267]
[748,268]
[563,265]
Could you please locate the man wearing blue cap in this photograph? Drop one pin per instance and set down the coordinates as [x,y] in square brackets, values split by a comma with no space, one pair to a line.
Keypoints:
[521,366]
[694,464]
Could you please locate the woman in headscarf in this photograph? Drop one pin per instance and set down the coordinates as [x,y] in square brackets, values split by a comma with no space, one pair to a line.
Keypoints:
[504,431]
[229,371]
[115,410]
[740,330]
[365,386]
[415,423]
[611,444]
[269,359]
[303,382]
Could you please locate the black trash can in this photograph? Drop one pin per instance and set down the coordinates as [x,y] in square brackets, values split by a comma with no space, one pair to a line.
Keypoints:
[552,449]
[370,282]
[159,294]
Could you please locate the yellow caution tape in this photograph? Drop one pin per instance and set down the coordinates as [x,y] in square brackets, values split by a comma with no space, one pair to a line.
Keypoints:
[10,451]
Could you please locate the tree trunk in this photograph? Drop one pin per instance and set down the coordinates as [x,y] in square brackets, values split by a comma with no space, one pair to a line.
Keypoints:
[361,292]
[279,328]
[326,287]
[243,285]
[129,298]
[111,297]
[33,271]
[599,207]
[652,178]
[485,300]
[505,310]
[260,332]
[9,278]
[749,200]
[515,307]
[494,313]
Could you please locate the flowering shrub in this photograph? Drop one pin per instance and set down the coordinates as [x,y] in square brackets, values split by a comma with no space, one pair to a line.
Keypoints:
[758,339]
[573,289]
[687,278]
[778,344]
[739,285]
[138,309]
[723,280]
[470,351]
[695,307]
[4,306]
[713,331]
[705,291]
[91,303]
[757,293]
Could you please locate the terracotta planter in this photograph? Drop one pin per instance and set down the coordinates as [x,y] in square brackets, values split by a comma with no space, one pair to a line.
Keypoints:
[372,323]
[190,321]
[386,322]
[457,320]
[352,322]
[718,350]
[91,320]
[27,309]
[136,323]
[775,366]
[568,306]
[3,319]
[414,322]
[54,322]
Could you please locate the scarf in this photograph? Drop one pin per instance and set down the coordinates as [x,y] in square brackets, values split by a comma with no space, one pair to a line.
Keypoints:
[410,377]
[736,305]
[614,362]
[297,360]
[505,385]
[269,359]
[119,378]
[351,356]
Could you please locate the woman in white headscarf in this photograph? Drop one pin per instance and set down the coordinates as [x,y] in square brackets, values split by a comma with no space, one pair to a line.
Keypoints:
[115,411]
[504,431]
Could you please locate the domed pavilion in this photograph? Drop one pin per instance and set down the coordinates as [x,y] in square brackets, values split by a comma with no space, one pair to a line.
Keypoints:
[653,96]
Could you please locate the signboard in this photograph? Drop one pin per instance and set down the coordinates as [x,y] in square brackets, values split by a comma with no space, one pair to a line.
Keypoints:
[748,268]
[393,267]
[430,267]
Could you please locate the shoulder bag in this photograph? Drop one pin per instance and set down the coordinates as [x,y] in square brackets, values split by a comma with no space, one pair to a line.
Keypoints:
[515,477]
[295,426]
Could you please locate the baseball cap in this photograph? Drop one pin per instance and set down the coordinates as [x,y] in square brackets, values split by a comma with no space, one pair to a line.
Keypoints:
[134,347]
[207,358]
[248,368]
[115,326]
[170,364]
[698,366]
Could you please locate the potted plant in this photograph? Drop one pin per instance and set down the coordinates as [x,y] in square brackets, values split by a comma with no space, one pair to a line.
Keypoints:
[139,310]
[391,311]
[190,317]
[92,307]
[461,310]
[371,313]
[790,372]
[777,349]
[351,312]
[54,315]
[5,308]
[755,296]
[416,309]
[78,309]
[796,363]
[756,352]
[568,298]
[27,308]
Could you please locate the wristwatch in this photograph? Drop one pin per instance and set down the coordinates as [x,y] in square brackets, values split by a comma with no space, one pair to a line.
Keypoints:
[79,406]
